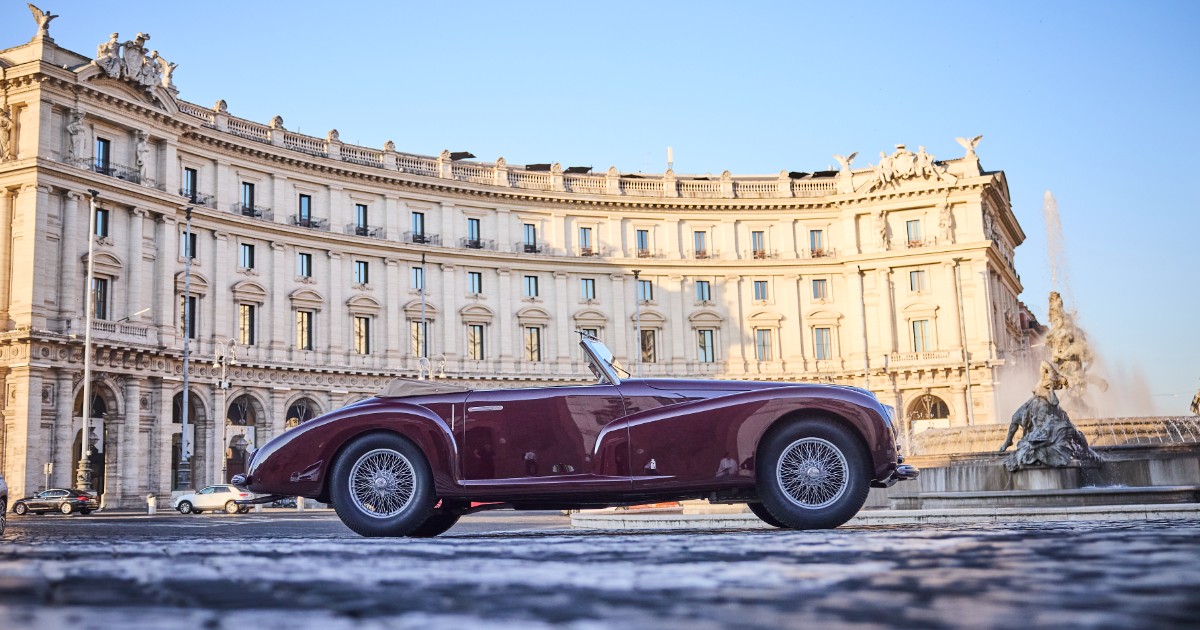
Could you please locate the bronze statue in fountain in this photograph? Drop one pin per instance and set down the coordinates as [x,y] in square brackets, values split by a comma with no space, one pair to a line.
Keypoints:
[1048,437]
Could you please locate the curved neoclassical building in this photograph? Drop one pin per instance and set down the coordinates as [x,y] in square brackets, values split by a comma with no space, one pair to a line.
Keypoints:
[330,268]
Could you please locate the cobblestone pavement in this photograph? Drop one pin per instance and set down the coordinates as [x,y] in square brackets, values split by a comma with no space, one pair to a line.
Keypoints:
[497,570]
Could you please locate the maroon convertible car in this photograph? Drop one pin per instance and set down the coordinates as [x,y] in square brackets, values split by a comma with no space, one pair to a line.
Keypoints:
[412,460]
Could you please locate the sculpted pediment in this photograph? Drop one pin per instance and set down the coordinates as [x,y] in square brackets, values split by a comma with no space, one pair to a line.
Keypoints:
[132,70]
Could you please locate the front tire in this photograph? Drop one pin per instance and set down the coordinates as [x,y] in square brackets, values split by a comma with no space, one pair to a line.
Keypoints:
[66,508]
[765,516]
[185,507]
[231,507]
[20,509]
[437,524]
[381,485]
[813,474]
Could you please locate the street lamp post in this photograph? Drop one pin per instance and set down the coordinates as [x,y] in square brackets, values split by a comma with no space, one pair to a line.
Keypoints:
[225,355]
[184,474]
[83,474]
[637,318]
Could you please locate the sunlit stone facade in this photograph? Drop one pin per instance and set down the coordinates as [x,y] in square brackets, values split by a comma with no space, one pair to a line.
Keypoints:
[308,261]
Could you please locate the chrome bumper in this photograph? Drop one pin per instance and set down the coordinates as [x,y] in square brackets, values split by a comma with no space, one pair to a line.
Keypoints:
[903,472]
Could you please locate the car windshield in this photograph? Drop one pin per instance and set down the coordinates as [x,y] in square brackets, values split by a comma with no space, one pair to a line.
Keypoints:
[600,360]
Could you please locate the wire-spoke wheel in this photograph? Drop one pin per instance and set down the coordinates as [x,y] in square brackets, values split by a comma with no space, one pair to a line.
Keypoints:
[812,474]
[381,485]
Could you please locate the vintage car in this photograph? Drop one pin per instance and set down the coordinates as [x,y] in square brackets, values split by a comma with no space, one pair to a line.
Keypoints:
[412,460]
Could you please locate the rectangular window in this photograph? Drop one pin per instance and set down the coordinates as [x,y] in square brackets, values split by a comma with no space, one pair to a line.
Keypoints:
[591,332]
[920,332]
[362,272]
[187,245]
[246,256]
[248,196]
[475,342]
[585,241]
[822,344]
[187,318]
[100,297]
[531,286]
[360,216]
[820,289]
[530,242]
[700,244]
[587,288]
[914,231]
[304,265]
[761,291]
[418,278]
[103,155]
[304,218]
[417,338]
[533,343]
[645,291]
[304,330]
[758,243]
[418,224]
[703,291]
[643,243]
[473,230]
[190,177]
[102,222]
[474,282]
[362,335]
[246,324]
[706,352]
[816,242]
[762,344]
[917,281]
[649,349]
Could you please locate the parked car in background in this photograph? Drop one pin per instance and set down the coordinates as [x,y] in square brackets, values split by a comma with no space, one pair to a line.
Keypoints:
[413,460]
[221,496]
[64,500]
[3,504]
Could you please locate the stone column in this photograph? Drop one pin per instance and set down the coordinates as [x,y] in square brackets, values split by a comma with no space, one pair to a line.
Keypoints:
[64,430]
[561,323]
[955,323]
[503,229]
[678,332]
[7,200]
[620,319]
[448,231]
[282,210]
[335,314]
[139,294]
[278,338]
[337,214]
[227,191]
[452,292]
[790,336]
[503,329]
[24,443]
[165,430]
[393,212]
[70,285]
[735,324]
[392,319]
[220,298]
[165,300]
[133,447]
[887,303]
[25,289]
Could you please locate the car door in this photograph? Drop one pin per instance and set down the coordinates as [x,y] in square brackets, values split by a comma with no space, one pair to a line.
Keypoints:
[38,501]
[204,498]
[545,435]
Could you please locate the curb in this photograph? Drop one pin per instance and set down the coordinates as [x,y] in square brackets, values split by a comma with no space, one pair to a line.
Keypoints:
[635,521]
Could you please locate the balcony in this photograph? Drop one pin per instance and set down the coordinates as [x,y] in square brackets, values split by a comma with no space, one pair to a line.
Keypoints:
[198,199]
[820,253]
[369,231]
[649,253]
[915,244]
[521,247]
[589,251]
[477,243]
[764,254]
[704,254]
[422,238]
[254,212]
[927,357]
[309,222]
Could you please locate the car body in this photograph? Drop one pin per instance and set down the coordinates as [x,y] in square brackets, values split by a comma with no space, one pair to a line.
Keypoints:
[413,459]
[221,497]
[62,500]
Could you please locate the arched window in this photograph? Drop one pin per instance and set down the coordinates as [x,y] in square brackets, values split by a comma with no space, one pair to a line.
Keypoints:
[928,407]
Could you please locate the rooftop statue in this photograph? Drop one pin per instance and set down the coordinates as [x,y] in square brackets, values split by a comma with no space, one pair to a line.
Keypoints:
[1048,438]
[1196,404]
[969,145]
[43,19]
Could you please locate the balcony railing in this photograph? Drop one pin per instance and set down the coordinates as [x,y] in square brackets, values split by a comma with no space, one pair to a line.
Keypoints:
[522,247]
[364,230]
[649,253]
[763,254]
[198,199]
[820,253]
[915,244]
[119,171]
[703,254]
[477,243]
[422,238]
[255,212]
[589,251]
[309,222]
[928,356]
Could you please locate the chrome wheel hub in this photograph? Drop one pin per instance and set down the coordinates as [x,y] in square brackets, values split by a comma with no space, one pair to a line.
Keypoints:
[382,483]
[812,473]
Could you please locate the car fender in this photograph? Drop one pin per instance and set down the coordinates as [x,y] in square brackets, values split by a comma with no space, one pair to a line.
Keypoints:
[297,462]
[688,441]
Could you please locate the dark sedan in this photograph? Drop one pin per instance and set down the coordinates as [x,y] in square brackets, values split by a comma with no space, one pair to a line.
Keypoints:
[57,500]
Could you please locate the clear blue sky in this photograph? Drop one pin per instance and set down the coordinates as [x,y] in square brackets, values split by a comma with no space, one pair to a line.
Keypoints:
[1094,101]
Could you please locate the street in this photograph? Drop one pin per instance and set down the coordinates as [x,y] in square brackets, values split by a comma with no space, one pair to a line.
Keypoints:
[285,569]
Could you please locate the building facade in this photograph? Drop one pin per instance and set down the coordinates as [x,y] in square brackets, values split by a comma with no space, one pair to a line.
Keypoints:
[314,271]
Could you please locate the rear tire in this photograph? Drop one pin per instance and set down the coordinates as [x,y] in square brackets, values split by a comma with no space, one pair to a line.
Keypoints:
[231,507]
[762,513]
[20,509]
[381,485]
[66,508]
[813,474]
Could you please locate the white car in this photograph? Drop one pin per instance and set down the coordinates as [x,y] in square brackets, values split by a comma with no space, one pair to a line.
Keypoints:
[221,496]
